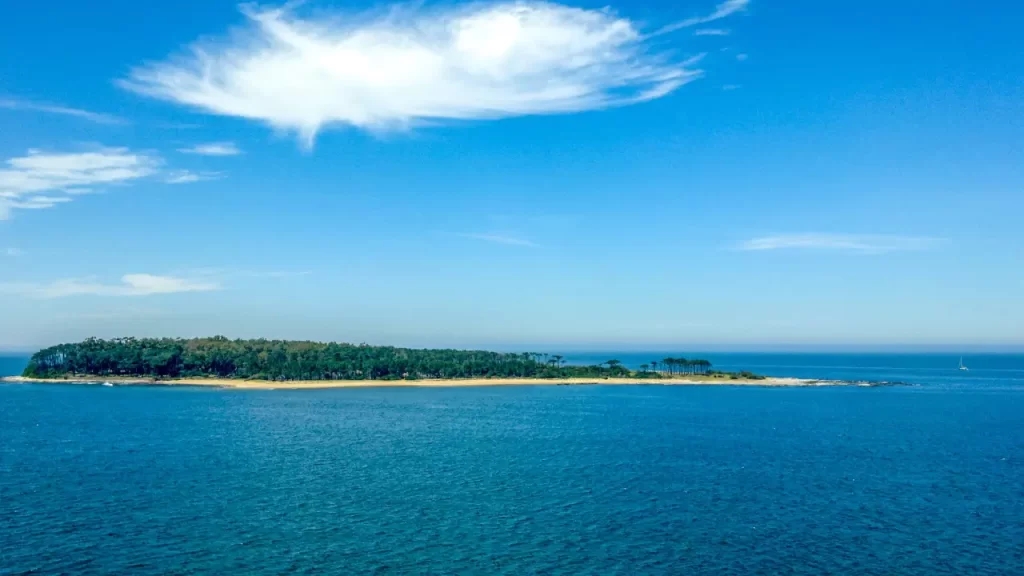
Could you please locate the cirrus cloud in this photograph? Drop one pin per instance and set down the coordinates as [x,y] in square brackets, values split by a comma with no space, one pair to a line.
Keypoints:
[95,117]
[412,66]
[45,179]
[711,32]
[213,149]
[723,10]
[130,285]
[189,177]
[854,243]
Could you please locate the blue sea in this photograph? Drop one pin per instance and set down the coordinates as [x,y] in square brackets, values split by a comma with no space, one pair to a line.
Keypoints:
[910,480]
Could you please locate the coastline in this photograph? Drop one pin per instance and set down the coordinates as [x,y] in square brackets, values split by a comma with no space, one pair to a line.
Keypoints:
[450,383]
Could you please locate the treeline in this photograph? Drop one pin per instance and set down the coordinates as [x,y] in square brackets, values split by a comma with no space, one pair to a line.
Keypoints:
[290,360]
[680,366]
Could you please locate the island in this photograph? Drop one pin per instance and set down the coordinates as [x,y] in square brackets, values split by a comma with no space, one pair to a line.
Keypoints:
[279,364]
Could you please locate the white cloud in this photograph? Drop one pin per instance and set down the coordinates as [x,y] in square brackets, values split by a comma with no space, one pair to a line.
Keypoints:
[742,57]
[36,202]
[213,149]
[711,32]
[730,87]
[723,10]
[417,65]
[501,239]
[188,177]
[43,180]
[42,172]
[861,244]
[96,117]
[13,252]
[130,285]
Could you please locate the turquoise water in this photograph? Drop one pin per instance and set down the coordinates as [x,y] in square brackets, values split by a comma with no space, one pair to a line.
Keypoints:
[597,480]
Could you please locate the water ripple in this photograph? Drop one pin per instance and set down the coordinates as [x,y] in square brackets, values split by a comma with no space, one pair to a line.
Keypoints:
[559,480]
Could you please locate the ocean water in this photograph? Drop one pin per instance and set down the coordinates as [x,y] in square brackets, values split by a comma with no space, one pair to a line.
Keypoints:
[934,370]
[916,480]
[12,365]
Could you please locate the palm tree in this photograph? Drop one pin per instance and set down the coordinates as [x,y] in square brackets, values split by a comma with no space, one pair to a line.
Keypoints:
[644,367]
[557,360]
[654,365]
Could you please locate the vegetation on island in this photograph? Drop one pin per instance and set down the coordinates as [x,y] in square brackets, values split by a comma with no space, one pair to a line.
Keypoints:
[219,357]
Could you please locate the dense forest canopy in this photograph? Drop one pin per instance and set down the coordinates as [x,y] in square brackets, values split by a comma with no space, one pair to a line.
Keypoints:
[289,360]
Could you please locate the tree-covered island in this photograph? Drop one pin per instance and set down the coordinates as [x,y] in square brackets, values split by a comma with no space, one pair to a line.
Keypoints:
[281,360]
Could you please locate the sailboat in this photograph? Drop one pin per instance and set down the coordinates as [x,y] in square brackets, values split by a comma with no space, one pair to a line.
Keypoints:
[962,367]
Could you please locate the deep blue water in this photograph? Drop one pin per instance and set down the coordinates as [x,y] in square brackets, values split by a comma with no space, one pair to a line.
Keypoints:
[936,370]
[12,365]
[520,480]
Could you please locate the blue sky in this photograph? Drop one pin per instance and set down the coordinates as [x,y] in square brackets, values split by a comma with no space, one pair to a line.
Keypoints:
[661,174]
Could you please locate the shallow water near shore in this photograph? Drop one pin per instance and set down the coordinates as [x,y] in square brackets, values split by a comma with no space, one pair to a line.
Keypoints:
[555,480]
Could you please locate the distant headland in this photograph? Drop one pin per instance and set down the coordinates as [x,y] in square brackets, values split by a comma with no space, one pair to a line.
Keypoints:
[264,364]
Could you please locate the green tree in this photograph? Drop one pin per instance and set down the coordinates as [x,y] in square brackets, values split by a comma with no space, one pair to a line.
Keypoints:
[296,360]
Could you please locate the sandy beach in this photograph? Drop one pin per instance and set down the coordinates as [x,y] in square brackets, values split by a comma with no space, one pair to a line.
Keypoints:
[321,384]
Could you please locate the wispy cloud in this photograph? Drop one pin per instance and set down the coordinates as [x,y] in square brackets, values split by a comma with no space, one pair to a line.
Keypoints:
[419,65]
[711,32]
[188,177]
[742,57]
[13,252]
[133,285]
[213,149]
[96,117]
[501,239]
[43,180]
[723,10]
[853,243]
[130,285]
[730,87]
[32,203]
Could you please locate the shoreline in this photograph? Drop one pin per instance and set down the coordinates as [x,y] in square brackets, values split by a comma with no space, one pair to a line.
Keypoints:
[449,383]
